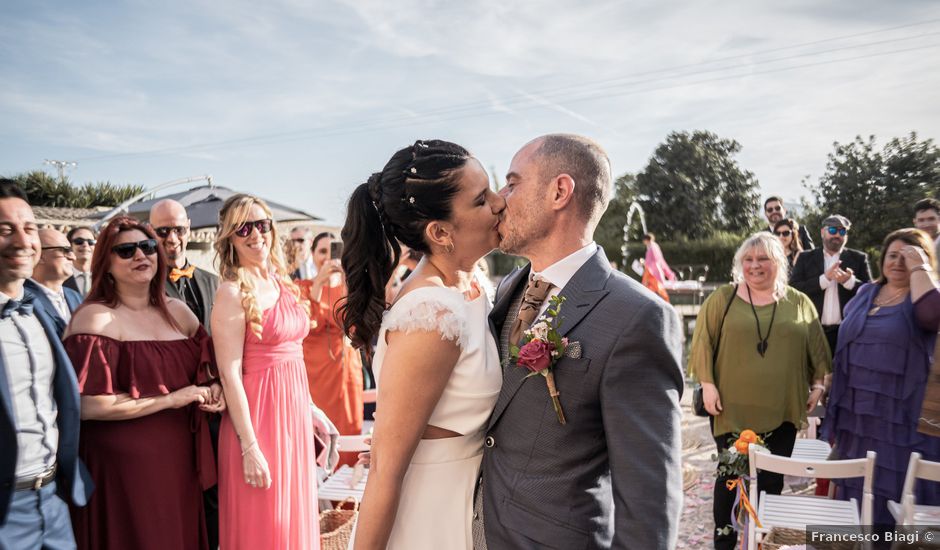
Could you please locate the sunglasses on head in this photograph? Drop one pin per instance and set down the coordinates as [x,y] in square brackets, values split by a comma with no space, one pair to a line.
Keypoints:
[79,241]
[774,208]
[786,233]
[164,232]
[65,250]
[263,226]
[840,230]
[126,251]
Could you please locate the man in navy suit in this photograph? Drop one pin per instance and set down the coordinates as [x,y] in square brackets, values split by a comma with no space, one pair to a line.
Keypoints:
[49,276]
[39,404]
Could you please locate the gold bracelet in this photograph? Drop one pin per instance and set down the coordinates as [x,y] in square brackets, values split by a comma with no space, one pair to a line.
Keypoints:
[248,448]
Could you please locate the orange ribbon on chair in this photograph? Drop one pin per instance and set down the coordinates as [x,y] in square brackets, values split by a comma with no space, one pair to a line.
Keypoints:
[738,483]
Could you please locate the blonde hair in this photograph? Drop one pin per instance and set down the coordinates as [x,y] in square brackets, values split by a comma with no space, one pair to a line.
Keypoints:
[235,212]
[770,244]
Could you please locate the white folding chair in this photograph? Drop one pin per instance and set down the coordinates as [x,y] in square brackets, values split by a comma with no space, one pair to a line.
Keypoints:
[798,511]
[907,512]
[811,449]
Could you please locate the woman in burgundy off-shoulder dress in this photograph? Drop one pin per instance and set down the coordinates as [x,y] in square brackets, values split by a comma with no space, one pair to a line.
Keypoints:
[143,367]
[886,342]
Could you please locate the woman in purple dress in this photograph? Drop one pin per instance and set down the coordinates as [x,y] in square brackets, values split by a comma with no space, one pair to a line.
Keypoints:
[886,343]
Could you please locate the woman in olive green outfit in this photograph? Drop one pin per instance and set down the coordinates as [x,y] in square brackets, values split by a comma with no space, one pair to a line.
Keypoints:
[771,358]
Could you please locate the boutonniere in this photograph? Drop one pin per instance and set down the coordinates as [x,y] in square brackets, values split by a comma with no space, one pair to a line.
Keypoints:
[542,348]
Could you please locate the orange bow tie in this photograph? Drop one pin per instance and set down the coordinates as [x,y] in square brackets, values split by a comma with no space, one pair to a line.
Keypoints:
[176,273]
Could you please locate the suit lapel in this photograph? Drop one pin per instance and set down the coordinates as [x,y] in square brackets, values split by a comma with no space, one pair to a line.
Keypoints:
[505,292]
[5,394]
[171,290]
[40,298]
[582,293]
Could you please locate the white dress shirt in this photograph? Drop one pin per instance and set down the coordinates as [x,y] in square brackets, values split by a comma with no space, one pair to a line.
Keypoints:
[58,300]
[560,272]
[307,269]
[31,388]
[832,312]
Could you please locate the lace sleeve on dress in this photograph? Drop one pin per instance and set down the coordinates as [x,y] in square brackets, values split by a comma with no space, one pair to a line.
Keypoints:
[439,311]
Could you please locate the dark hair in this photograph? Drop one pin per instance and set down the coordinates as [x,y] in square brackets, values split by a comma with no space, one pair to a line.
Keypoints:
[929,203]
[649,237]
[76,229]
[416,186]
[104,291]
[588,165]
[913,237]
[796,245]
[771,199]
[313,243]
[9,189]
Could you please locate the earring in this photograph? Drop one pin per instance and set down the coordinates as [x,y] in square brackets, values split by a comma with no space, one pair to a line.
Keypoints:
[450,248]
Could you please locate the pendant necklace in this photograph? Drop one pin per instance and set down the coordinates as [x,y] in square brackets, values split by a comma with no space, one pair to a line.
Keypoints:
[762,343]
[881,303]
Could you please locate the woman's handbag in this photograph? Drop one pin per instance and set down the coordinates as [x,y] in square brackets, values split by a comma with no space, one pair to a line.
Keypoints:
[336,526]
[698,396]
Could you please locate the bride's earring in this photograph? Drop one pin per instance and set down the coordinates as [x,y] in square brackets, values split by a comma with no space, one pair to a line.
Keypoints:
[450,248]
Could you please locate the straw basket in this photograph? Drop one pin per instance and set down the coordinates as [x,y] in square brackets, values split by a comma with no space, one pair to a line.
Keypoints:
[780,537]
[336,526]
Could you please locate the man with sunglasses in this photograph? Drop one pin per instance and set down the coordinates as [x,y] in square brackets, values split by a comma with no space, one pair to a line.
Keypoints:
[49,276]
[83,241]
[197,288]
[774,211]
[40,472]
[301,243]
[831,275]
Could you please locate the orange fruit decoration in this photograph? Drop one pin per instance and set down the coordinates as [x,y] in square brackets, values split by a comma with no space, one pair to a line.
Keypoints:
[749,436]
[741,446]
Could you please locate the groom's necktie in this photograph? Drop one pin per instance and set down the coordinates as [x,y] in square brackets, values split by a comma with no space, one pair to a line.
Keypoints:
[532,299]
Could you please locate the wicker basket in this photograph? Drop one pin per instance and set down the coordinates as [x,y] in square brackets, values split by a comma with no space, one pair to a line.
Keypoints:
[336,526]
[780,537]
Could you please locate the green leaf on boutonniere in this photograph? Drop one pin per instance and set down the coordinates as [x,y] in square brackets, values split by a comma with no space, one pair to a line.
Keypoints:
[514,350]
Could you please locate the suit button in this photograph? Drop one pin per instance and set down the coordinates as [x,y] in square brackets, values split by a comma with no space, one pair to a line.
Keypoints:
[489,442]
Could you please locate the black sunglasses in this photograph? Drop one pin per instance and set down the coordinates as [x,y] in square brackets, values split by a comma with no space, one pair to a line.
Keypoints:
[79,241]
[786,233]
[126,251]
[774,209]
[65,250]
[164,232]
[840,230]
[263,226]
[301,240]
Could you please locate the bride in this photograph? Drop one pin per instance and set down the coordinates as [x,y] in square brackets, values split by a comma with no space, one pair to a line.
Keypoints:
[436,363]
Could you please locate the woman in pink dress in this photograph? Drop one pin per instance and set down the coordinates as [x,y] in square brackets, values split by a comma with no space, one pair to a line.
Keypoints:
[267,484]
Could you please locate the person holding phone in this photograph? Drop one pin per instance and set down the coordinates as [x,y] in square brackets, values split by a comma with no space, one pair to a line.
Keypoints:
[334,368]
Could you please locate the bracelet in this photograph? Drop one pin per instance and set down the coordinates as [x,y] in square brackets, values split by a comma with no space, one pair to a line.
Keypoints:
[819,387]
[922,267]
[248,448]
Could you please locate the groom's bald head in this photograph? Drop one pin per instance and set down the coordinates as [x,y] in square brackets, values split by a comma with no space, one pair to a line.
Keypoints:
[585,161]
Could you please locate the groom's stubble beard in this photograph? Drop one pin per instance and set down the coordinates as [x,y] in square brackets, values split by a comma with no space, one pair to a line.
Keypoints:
[522,229]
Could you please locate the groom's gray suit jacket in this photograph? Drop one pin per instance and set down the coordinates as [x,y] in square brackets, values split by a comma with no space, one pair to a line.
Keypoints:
[612,476]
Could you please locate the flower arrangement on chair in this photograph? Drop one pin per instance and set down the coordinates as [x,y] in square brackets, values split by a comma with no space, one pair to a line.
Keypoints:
[733,463]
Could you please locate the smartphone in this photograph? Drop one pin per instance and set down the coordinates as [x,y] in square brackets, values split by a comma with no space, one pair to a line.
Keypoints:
[336,250]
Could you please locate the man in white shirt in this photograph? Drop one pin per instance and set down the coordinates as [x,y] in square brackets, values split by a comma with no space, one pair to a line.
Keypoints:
[49,276]
[831,275]
[301,241]
[83,244]
[927,218]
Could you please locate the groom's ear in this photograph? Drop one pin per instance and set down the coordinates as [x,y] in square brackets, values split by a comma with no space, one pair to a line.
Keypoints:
[439,234]
[562,191]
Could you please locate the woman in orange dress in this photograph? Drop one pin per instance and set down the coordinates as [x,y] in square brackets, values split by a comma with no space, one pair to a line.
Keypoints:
[334,368]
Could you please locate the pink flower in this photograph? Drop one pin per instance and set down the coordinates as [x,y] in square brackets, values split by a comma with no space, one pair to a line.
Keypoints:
[535,355]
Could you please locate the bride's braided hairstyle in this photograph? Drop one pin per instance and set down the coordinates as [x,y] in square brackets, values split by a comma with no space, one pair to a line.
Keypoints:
[394,206]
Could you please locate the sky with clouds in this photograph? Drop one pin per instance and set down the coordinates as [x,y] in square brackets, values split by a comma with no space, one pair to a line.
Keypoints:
[299,101]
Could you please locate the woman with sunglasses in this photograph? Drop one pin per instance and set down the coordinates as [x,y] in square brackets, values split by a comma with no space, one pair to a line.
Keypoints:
[267,482]
[334,368]
[788,231]
[143,364]
[882,359]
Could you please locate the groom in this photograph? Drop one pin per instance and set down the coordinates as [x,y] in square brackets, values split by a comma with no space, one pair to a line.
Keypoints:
[611,476]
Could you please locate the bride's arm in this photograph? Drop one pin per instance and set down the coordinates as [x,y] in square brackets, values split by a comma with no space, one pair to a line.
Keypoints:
[415,370]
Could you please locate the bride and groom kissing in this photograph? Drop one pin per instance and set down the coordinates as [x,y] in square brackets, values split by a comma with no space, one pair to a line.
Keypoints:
[468,450]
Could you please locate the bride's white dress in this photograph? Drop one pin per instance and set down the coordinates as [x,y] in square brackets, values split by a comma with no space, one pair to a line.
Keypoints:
[436,506]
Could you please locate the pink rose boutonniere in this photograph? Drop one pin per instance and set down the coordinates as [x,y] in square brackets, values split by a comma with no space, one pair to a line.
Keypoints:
[542,348]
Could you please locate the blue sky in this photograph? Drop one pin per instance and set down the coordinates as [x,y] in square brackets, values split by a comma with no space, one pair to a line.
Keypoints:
[300,101]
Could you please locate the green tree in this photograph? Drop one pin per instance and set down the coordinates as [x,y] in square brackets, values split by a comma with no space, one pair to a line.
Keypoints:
[876,190]
[693,187]
[44,190]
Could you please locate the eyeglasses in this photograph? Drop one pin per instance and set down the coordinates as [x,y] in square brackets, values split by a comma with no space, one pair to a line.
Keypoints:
[786,233]
[770,209]
[299,241]
[164,232]
[263,226]
[126,251]
[840,230]
[65,250]
[79,241]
